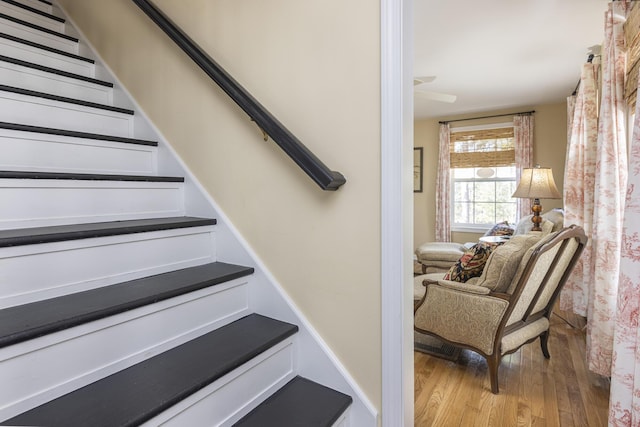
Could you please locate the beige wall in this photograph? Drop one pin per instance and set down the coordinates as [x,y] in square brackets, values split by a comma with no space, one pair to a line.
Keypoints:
[549,149]
[318,73]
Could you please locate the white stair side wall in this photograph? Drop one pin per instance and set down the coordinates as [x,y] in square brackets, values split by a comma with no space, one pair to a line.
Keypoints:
[41,81]
[44,202]
[37,36]
[30,110]
[228,399]
[81,355]
[316,360]
[321,364]
[29,151]
[44,7]
[27,53]
[35,272]
[33,18]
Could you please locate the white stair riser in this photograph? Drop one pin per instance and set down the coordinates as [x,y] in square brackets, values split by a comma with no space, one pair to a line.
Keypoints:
[31,17]
[36,111]
[36,272]
[37,36]
[28,151]
[231,397]
[81,355]
[48,59]
[36,4]
[54,84]
[43,202]
[343,421]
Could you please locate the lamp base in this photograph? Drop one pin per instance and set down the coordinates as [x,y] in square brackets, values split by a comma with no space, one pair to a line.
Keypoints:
[536,208]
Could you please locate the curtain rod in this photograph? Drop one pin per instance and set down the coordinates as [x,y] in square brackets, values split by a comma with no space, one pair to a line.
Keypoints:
[522,113]
[589,60]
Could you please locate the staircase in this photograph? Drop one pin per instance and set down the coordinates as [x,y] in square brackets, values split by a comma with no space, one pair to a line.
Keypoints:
[114,307]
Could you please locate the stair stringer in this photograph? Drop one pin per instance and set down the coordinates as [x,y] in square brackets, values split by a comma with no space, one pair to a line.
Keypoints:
[315,359]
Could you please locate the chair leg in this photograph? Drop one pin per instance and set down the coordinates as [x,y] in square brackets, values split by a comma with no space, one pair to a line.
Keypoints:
[544,343]
[493,362]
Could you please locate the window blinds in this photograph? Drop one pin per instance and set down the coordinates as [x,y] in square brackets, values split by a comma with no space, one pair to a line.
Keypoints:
[482,148]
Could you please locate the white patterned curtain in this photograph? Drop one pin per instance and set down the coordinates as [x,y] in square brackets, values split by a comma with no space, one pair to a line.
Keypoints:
[579,183]
[443,188]
[610,189]
[571,108]
[624,406]
[523,139]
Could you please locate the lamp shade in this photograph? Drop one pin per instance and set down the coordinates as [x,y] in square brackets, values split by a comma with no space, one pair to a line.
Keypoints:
[537,183]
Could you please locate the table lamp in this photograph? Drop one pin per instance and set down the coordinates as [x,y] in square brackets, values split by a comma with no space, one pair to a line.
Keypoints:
[537,183]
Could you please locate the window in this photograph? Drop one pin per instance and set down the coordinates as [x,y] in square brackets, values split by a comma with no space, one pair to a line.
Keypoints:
[483,178]
[481,197]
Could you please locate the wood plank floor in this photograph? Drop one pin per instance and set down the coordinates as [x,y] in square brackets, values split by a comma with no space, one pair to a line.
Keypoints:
[534,391]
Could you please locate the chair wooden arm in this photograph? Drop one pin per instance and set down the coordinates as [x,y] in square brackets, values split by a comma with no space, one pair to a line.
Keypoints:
[464,287]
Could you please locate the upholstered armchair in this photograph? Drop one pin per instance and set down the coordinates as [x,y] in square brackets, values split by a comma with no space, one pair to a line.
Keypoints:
[510,304]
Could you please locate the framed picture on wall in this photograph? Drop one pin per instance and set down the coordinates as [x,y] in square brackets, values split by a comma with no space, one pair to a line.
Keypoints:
[417,170]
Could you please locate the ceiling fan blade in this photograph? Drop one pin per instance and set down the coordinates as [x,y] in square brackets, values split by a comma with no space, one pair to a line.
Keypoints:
[435,96]
[420,80]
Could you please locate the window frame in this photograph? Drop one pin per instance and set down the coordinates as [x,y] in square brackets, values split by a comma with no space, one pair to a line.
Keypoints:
[470,227]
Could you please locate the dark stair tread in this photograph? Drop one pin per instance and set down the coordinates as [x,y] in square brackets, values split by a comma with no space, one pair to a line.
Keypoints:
[50,70]
[75,134]
[38,28]
[86,176]
[28,321]
[137,394]
[45,47]
[65,99]
[35,11]
[300,402]
[58,233]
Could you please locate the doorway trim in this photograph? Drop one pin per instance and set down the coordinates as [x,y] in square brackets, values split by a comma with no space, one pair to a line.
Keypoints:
[396,76]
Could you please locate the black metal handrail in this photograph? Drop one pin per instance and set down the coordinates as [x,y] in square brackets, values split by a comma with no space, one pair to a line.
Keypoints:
[299,153]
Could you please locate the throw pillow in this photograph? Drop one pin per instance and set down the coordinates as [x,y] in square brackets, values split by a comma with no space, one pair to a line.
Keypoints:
[501,266]
[556,216]
[525,225]
[500,229]
[471,263]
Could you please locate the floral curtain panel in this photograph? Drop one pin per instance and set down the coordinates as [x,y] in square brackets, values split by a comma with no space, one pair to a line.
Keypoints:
[579,182]
[443,210]
[624,407]
[610,189]
[571,108]
[523,136]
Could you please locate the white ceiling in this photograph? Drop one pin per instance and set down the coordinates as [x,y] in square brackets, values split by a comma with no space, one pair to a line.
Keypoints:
[495,54]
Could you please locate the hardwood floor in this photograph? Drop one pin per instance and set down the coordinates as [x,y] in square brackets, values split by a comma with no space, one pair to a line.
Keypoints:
[534,391]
